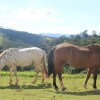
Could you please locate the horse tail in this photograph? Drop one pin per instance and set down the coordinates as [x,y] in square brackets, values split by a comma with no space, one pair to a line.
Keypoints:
[45,63]
[51,61]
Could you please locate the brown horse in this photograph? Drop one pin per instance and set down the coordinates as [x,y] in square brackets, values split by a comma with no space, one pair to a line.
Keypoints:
[79,57]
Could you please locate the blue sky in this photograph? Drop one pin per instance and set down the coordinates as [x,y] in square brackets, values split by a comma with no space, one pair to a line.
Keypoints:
[50,16]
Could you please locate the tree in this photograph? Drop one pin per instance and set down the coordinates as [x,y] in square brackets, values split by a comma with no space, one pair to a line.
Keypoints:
[84,34]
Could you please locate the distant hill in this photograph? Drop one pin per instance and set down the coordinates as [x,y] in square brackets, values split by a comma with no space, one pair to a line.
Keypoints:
[55,35]
[12,38]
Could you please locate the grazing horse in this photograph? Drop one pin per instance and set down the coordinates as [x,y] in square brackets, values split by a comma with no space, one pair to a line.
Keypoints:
[79,57]
[14,57]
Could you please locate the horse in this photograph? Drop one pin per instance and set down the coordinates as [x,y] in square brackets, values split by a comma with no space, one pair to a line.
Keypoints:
[76,56]
[14,57]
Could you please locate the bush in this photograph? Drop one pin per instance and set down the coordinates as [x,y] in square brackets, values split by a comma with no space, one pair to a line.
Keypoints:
[27,68]
[72,70]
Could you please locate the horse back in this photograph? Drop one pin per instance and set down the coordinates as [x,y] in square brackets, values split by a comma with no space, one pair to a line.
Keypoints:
[76,56]
[24,57]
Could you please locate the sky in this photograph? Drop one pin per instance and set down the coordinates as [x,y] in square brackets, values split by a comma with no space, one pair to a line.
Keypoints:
[50,16]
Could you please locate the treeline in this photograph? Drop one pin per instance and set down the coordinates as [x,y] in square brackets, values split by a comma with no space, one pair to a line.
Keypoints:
[81,39]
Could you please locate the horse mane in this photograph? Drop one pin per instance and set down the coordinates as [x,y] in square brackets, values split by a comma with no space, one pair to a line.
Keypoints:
[94,47]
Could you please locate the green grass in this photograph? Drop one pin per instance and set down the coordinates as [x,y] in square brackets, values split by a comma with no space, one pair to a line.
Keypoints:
[45,91]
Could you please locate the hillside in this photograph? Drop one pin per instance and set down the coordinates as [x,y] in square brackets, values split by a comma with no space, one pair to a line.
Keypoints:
[56,35]
[12,38]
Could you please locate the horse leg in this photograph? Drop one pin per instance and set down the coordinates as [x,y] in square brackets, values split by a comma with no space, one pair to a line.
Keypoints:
[61,82]
[54,80]
[42,77]
[10,82]
[87,78]
[94,78]
[34,80]
[95,73]
[15,72]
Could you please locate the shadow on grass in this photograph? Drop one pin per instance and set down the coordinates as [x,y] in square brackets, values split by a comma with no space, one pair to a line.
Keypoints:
[82,93]
[38,86]
[92,92]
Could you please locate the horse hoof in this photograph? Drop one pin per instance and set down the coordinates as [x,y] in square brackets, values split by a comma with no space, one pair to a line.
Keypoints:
[56,87]
[85,86]
[63,89]
[95,87]
[10,84]
[16,83]
[42,81]
[33,82]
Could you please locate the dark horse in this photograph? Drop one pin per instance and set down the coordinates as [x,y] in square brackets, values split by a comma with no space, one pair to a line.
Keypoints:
[79,57]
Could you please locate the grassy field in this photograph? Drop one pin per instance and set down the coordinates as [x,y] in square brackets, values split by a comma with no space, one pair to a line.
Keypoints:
[45,91]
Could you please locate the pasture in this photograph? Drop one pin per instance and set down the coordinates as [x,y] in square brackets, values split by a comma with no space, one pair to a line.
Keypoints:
[45,91]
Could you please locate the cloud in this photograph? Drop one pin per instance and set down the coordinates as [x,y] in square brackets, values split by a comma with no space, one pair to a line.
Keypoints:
[29,19]
[55,29]
[37,21]
[46,14]
[61,30]
[29,14]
